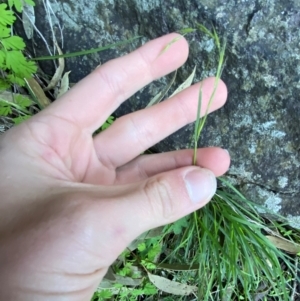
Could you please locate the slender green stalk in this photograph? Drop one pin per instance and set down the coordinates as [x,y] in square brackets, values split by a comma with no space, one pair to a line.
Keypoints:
[201,122]
[16,106]
[197,126]
[85,52]
[216,83]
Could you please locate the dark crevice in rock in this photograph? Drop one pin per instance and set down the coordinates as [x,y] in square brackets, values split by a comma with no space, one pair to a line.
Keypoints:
[242,182]
[250,17]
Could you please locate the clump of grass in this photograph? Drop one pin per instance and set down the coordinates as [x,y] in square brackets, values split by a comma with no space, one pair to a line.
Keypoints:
[235,259]
[227,255]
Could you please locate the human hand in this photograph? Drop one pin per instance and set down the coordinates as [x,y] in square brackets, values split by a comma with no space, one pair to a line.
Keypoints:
[71,203]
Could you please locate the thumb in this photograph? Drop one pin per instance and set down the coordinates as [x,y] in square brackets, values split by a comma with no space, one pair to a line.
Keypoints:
[164,198]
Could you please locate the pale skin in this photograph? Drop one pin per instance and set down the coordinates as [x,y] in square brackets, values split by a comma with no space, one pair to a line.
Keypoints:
[70,203]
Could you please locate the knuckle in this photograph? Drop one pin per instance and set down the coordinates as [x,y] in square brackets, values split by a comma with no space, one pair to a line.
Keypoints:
[160,199]
[146,65]
[144,134]
[111,81]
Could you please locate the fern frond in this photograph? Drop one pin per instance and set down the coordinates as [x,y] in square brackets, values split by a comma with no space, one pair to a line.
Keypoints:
[7,17]
[14,43]
[18,4]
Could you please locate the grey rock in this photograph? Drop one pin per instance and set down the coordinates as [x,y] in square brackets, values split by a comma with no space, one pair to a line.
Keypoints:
[259,125]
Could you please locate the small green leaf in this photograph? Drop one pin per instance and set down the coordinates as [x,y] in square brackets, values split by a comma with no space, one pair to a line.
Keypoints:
[2,59]
[287,233]
[178,226]
[6,16]
[16,61]
[126,270]
[142,247]
[148,265]
[4,32]
[154,251]
[103,295]
[14,79]
[3,84]
[124,294]
[23,101]
[137,292]
[150,289]
[17,4]
[110,120]
[30,2]
[20,119]
[5,110]
[14,43]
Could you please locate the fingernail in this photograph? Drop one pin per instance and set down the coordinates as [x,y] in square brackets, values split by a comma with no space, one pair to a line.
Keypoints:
[201,185]
[226,151]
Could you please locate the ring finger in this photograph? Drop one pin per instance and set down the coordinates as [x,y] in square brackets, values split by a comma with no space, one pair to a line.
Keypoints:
[145,166]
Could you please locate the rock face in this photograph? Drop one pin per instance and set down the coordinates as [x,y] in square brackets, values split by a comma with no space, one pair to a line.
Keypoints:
[259,125]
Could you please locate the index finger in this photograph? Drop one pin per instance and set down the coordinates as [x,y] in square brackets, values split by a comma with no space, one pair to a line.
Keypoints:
[93,99]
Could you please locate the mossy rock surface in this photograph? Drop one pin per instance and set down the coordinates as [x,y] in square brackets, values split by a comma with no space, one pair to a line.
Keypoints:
[259,125]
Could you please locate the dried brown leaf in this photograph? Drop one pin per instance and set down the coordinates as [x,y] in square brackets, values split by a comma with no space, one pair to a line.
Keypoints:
[171,287]
[59,71]
[186,83]
[28,19]
[284,244]
[64,85]
[37,92]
